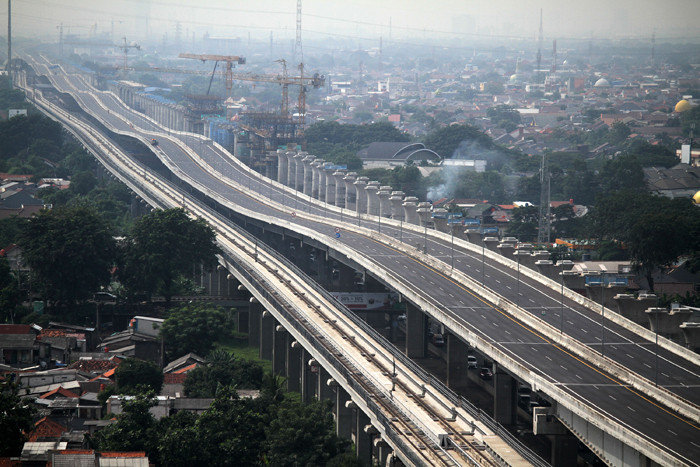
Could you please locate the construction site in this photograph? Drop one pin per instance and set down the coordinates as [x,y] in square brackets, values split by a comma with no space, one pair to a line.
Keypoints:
[159,87]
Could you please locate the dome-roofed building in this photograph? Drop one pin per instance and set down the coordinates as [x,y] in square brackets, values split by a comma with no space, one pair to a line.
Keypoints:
[696,198]
[682,106]
[602,83]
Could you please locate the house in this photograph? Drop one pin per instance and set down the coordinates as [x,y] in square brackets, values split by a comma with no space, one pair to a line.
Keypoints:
[680,181]
[20,347]
[184,364]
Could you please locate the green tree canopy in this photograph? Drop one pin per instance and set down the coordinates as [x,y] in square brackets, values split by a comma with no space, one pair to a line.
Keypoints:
[136,428]
[654,229]
[15,419]
[303,435]
[224,369]
[446,140]
[621,173]
[161,247]
[70,250]
[136,376]
[194,327]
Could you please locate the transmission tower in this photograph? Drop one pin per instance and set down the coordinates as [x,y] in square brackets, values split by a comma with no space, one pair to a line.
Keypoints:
[298,52]
[545,224]
[539,47]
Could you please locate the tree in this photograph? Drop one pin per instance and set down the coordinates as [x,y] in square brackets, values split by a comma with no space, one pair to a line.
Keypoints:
[654,229]
[15,419]
[164,245]
[447,140]
[619,132]
[303,435]
[135,429]
[70,251]
[232,431]
[224,369]
[83,182]
[135,376]
[194,327]
[621,173]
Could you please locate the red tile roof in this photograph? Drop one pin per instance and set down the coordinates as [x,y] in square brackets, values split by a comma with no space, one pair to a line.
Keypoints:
[52,333]
[15,329]
[76,451]
[94,366]
[174,378]
[123,454]
[58,391]
[46,428]
[187,368]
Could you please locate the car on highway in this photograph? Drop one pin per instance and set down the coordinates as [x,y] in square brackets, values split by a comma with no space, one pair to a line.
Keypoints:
[472,362]
[154,142]
[438,340]
[485,373]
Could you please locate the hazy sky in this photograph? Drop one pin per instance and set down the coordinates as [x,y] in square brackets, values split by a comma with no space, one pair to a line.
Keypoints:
[397,20]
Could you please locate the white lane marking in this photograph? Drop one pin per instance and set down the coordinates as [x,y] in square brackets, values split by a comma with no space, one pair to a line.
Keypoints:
[631,408]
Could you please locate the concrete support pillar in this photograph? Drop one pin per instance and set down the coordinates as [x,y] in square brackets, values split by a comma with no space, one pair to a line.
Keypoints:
[299,171]
[343,414]
[691,334]
[291,168]
[546,268]
[339,176]
[457,367]
[440,218]
[294,364]
[668,322]
[361,195]
[384,194]
[423,211]
[416,332]
[308,174]
[330,185]
[279,350]
[492,243]
[350,191]
[634,308]
[326,386]
[505,400]
[382,451]
[322,182]
[317,168]
[363,439]
[601,292]
[506,249]
[575,281]
[308,377]
[410,204]
[267,329]
[396,200]
[474,236]
[372,199]
[254,317]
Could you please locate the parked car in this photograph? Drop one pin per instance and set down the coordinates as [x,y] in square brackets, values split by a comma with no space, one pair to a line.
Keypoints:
[485,373]
[472,362]
[438,340]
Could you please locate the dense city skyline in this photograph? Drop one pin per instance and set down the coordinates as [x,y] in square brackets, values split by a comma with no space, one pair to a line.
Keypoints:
[362,20]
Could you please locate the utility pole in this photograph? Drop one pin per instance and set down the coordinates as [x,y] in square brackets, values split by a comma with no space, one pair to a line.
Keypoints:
[545,222]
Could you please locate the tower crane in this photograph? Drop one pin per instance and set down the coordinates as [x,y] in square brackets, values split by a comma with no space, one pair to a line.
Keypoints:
[125,48]
[316,80]
[228,59]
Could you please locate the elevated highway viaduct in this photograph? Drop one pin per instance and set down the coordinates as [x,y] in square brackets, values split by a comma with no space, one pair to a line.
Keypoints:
[595,369]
